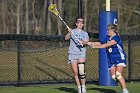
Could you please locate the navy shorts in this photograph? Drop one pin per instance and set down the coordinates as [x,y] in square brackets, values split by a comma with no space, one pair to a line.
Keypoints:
[118,62]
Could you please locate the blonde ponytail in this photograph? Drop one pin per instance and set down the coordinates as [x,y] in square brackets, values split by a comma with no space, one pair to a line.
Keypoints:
[114,27]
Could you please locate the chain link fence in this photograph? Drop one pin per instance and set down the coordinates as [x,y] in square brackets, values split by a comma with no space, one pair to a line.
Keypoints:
[29,59]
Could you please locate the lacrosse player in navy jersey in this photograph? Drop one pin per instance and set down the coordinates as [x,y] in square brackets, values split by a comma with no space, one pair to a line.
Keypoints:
[116,53]
[77,53]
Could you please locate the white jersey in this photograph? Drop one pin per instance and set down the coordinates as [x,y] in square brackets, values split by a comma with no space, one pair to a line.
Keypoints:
[75,47]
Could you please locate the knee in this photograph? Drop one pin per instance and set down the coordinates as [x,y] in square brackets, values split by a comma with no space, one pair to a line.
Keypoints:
[118,75]
[81,70]
[113,76]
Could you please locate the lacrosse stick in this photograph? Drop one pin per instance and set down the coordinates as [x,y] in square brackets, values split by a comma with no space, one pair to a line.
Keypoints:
[54,10]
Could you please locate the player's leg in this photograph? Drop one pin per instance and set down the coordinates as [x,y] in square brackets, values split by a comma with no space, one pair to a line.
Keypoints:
[75,72]
[82,74]
[121,78]
[113,72]
[74,64]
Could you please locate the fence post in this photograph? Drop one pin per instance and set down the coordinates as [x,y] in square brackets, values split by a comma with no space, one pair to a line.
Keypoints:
[80,8]
[18,62]
[129,58]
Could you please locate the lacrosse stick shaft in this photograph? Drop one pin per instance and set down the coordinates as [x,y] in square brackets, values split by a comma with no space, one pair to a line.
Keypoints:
[63,21]
[53,9]
[76,38]
[68,27]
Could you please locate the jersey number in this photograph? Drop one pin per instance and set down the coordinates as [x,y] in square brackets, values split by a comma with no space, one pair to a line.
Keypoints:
[110,50]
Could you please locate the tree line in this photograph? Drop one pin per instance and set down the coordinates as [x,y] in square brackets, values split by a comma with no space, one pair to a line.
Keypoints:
[33,17]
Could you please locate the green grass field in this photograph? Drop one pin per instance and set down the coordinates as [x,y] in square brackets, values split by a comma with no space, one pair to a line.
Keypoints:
[68,88]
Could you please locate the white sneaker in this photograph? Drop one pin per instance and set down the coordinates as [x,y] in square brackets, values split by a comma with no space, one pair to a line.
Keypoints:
[79,91]
[126,91]
[84,90]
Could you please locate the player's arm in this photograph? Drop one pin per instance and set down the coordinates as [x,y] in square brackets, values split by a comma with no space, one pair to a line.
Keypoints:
[94,44]
[112,42]
[67,36]
[84,42]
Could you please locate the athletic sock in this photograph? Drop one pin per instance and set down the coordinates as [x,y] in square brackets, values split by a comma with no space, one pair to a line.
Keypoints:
[83,86]
[125,89]
[79,87]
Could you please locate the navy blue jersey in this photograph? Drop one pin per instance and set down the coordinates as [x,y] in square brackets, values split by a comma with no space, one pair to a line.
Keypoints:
[116,52]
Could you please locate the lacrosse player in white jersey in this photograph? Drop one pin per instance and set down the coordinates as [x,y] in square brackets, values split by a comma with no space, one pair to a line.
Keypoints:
[77,53]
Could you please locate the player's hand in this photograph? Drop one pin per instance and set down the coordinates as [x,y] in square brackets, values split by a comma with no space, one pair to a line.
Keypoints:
[91,44]
[80,42]
[69,29]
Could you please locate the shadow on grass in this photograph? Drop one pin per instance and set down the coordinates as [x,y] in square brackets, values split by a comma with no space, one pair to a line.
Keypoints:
[65,89]
[40,61]
[102,90]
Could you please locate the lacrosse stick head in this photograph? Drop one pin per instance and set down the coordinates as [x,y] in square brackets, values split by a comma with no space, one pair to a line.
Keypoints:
[53,9]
